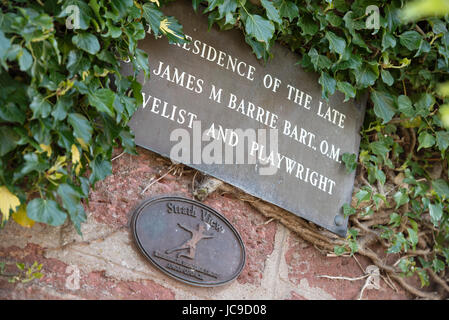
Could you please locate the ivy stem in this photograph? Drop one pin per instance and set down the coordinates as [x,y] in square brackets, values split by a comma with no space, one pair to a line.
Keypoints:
[427,121]
[50,95]
[243,6]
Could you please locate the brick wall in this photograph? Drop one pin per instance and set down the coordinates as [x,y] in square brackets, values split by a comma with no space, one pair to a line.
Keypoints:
[105,264]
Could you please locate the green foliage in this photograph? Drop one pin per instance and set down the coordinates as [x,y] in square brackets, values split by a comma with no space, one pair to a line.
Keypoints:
[63,103]
[24,273]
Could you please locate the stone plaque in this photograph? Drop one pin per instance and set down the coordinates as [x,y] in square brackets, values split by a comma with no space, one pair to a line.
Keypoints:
[188,241]
[263,128]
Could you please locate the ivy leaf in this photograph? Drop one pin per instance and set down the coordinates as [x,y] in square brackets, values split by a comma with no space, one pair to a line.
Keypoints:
[405,106]
[441,187]
[328,84]
[383,105]
[339,250]
[77,63]
[442,140]
[308,25]
[21,217]
[410,39]
[348,210]
[141,59]
[333,19]
[258,48]
[395,220]
[8,202]
[336,43]
[436,213]
[347,89]
[426,140]
[127,139]
[32,163]
[401,198]
[353,246]
[213,4]
[46,211]
[259,28]
[438,265]
[319,61]
[287,9]
[87,42]
[71,200]
[379,148]
[363,195]
[424,47]
[227,7]
[101,168]
[438,26]
[366,76]
[377,198]
[121,6]
[387,78]
[272,12]
[424,104]
[196,4]
[153,16]
[5,44]
[412,237]
[41,108]
[25,59]
[398,242]
[350,161]
[61,107]
[103,100]
[8,140]
[81,126]
[9,112]
[380,175]
[171,28]
[423,277]
[388,41]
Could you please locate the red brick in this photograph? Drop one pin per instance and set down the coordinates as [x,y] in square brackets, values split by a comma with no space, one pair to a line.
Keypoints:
[257,236]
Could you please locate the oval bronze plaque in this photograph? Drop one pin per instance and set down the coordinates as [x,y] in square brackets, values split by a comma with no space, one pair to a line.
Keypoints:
[188,241]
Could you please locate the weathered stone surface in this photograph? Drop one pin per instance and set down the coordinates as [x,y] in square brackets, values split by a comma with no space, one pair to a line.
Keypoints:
[279,264]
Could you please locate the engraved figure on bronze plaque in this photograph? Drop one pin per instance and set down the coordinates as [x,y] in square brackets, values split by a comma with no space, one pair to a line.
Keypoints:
[188,240]
[190,244]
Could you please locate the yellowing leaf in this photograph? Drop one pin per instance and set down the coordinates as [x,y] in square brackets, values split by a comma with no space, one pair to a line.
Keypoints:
[46,149]
[20,216]
[8,201]
[76,159]
[156,2]
[103,74]
[75,154]
[55,176]
[83,144]
[64,86]
[77,168]
[164,26]
[60,162]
